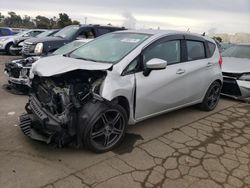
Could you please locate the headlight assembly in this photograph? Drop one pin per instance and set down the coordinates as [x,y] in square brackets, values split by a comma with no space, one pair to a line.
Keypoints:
[2,40]
[245,77]
[24,72]
[39,48]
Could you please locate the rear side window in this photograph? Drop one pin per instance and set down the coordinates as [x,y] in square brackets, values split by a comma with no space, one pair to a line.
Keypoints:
[195,50]
[211,47]
[169,51]
[103,31]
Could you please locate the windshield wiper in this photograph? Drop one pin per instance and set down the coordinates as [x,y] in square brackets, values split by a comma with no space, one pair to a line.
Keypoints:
[86,59]
[60,36]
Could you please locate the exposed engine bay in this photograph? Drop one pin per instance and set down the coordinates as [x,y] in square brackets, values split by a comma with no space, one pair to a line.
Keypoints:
[55,102]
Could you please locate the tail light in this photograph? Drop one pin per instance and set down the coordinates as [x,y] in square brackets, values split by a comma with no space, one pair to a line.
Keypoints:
[220,61]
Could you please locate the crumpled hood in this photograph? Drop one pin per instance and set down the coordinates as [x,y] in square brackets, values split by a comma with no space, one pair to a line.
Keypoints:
[235,65]
[54,65]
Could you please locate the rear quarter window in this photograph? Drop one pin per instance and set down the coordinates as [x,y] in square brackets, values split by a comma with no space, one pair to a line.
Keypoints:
[211,48]
[195,50]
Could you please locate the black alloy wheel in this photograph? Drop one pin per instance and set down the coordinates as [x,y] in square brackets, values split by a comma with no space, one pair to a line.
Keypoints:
[108,129]
[212,97]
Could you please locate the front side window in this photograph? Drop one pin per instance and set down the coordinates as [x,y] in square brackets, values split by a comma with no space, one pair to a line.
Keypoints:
[45,34]
[195,50]
[169,51]
[110,48]
[86,34]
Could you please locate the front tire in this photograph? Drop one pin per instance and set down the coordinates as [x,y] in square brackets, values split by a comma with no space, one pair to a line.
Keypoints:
[105,128]
[212,97]
[7,48]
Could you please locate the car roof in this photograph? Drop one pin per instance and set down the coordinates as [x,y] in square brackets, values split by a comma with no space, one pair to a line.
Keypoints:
[96,25]
[164,32]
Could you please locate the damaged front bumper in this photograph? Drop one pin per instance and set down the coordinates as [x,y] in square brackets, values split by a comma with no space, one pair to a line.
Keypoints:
[39,124]
[237,89]
[20,81]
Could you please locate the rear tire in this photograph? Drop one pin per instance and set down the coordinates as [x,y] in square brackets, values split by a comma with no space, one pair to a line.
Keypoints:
[212,97]
[104,127]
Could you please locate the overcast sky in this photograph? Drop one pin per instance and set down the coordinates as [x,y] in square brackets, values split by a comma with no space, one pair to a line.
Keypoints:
[229,16]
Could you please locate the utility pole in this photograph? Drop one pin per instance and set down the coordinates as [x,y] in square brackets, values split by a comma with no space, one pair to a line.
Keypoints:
[85,18]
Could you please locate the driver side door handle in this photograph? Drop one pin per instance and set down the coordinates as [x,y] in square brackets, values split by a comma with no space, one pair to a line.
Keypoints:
[180,71]
[209,64]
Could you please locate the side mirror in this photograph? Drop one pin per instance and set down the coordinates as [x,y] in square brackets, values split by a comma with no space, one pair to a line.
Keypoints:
[156,64]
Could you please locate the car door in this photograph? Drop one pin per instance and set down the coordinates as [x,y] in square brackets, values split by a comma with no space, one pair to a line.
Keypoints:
[197,69]
[161,89]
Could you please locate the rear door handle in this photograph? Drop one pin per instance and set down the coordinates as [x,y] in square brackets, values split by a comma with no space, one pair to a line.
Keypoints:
[209,64]
[180,71]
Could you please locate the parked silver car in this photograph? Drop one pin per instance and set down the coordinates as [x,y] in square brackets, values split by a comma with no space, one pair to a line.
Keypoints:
[120,78]
[236,72]
[7,41]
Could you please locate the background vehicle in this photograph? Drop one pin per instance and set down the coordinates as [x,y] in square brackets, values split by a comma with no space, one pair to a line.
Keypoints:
[17,45]
[236,72]
[7,41]
[225,45]
[6,31]
[47,45]
[18,71]
[90,95]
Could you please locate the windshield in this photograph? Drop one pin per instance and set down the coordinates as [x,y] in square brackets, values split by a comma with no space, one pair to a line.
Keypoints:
[240,51]
[67,32]
[21,33]
[45,33]
[110,48]
[68,47]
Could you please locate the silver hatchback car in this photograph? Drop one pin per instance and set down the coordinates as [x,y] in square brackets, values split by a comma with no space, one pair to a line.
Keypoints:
[88,96]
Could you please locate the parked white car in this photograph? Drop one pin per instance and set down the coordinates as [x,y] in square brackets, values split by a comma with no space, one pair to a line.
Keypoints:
[7,41]
[236,72]
[89,96]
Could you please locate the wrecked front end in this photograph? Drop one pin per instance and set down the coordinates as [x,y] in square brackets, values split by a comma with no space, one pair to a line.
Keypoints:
[55,105]
[18,72]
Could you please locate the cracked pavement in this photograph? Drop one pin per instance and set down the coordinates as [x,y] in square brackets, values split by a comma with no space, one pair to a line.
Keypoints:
[185,148]
[212,152]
